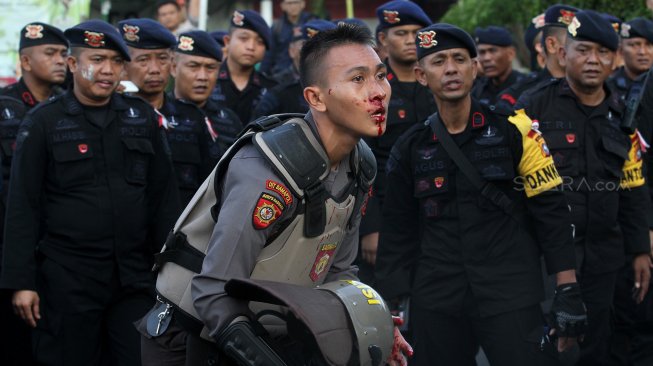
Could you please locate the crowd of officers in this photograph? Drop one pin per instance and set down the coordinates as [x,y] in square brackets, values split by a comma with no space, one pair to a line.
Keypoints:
[99,178]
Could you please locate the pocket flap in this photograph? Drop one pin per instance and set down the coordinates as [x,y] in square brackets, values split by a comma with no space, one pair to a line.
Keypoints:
[561,139]
[615,147]
[137,144]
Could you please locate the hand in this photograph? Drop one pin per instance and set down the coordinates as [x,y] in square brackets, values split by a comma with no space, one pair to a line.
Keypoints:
[650,236]
[400,348]
[569,315]
[26,305]
[642,269]
[369,244]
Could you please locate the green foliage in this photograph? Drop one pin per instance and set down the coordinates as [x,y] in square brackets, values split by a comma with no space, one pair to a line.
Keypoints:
[516,14]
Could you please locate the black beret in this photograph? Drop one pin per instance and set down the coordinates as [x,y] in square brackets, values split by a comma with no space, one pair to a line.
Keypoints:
[613,20]
[401,12]
[315,26]
[97,34]
[559,15]
[493,35]
[146,33]
[249,19]
[36,34]
[589,25]
[638,27]
[443,36]
[219,36]
[199,43]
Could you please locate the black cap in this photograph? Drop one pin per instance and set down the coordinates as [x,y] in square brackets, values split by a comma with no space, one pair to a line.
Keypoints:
[589,25]
[401,12]
[146,33]
[36,34]
[638,27]
[559,15]
[199,43]
[493,35]
[614,21]
[218,35]
[249,19]
[97,34]
[442,36]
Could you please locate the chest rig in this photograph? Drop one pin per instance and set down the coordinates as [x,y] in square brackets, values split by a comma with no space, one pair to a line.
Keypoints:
[300,252]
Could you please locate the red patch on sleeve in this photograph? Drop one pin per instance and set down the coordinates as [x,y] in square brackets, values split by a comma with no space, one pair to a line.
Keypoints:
[268,209]
[280,189]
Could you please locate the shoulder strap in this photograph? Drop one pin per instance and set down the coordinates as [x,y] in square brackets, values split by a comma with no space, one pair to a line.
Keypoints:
[487,189]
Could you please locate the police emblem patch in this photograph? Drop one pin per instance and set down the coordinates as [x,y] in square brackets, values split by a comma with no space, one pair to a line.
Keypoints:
[268,209]
[571,138]
[131,32]
[94,39]
[186,43]
[83,148]
[238,18]
[8,114]
[439,182]
[427,39]
[280,189]
[625,30]
[391,16]
[566,17]
[401,113]
[34,31]
[538,21]
[573,27]
[322,260]
[310,32]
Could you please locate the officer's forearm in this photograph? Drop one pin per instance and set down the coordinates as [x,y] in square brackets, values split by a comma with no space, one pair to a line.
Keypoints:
[564,277]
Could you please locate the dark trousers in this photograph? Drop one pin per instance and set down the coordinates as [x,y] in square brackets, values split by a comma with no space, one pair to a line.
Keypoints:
[597,291]
[511,338]
[87,323]
[632,338]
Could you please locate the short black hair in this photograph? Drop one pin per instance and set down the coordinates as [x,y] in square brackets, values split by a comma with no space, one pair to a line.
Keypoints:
[551,31]
[316,48]
[160,3]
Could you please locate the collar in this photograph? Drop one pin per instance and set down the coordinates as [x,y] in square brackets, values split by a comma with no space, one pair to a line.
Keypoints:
[25,95]
[72,106]
[224,74]
[611,99]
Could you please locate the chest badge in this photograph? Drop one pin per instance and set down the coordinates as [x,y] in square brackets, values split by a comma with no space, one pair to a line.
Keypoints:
[322,260]
[571,138]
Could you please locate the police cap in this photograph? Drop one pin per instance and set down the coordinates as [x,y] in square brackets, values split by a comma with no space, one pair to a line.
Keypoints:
[315,26]
[493,35]
[97,34]
[638,27]
[249,19]
[613,20]
[589,25]
[146,33]
[199,43]
[36,34]
[401,12]
[559,15]
[442,36]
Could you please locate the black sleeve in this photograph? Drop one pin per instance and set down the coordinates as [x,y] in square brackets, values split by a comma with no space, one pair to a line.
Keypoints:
[24,211]
[634,204]
[371,219]
[399,242]
[268,105]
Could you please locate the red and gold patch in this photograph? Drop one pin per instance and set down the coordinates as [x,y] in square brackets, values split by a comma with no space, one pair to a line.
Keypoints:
[94,39]
[427,39]
[566,16]
[322,260]
[401,113]
[131,32]
[268,209]
[186,43]
[439,182]
[311,32]
[34,31]
[391,16]
[280,189]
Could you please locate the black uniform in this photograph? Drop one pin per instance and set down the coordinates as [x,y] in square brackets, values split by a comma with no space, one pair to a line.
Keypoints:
[411,103]
[283,98]
[225,126]
[620,83]
[604,184]
[243,102]
[193,152]
[508,98]
[91,200]
[487,93]
[20,91]
[472,271]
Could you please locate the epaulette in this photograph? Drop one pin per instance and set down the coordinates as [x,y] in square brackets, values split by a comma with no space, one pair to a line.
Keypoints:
[44,103]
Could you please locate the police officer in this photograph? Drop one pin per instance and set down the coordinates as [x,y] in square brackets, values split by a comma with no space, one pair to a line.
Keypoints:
[91,200]
[533,42]
[602,169]
[410,104]
[554,34]
[288,96]
[195,66]
[466,256]
[495,54]
[43,50]
[240,87]
[636,49]
[347,91]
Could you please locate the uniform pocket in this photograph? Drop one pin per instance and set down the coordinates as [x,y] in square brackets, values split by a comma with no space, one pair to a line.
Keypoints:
[564,151]
[138,153]
[187,160]
[73,163]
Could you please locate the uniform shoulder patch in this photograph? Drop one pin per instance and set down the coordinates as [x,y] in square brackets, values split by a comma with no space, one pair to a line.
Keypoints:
[268,209]
[280,189]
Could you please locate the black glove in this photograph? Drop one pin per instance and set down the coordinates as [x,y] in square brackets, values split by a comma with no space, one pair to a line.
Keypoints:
[568,311]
